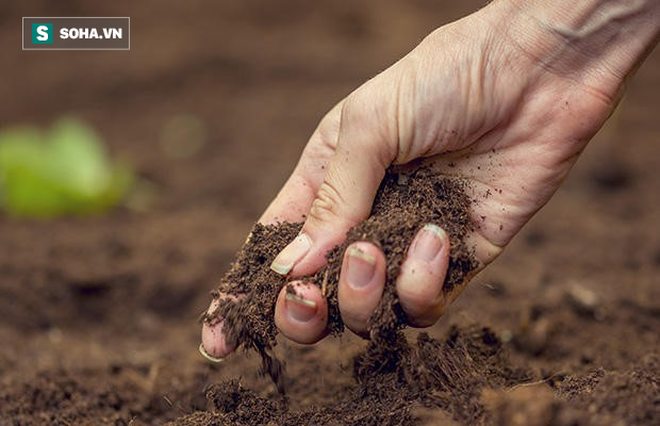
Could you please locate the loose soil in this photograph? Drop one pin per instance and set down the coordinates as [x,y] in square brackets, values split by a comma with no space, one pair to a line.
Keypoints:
[98,315]
[247,294]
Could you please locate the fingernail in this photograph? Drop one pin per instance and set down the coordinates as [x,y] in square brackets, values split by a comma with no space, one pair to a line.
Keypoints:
[208,355]
[299,308]
[361,267]
[214,344]
[428,242]
[291,254]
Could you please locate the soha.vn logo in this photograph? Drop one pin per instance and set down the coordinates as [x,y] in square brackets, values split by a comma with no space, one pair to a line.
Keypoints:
[43,33]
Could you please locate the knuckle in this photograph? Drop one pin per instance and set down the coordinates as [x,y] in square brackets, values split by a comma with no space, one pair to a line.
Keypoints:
[361,109]
[364,112]
[327,204]
[351,106]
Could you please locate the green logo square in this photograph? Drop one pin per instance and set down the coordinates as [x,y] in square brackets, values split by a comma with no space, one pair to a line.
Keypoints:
[42,33]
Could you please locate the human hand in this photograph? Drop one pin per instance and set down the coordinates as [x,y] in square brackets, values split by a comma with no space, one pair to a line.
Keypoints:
[497,99]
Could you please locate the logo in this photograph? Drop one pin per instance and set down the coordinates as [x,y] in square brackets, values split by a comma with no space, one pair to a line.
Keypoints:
[76,33]
[42,33]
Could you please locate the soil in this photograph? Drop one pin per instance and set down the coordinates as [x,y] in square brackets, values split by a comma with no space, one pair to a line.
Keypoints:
[98,315]
[247,294]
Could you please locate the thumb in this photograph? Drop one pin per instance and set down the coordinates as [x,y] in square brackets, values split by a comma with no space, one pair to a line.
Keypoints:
[345,197]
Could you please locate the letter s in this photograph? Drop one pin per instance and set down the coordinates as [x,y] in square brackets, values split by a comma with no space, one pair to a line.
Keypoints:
[42,30]
[64,33]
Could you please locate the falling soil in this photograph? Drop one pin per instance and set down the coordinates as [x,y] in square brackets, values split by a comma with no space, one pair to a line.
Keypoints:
[448,374]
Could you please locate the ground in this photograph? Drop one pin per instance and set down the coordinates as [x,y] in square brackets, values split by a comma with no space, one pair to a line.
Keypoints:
[98,315]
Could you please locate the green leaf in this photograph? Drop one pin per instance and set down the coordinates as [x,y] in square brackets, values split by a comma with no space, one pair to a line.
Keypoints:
[65,171]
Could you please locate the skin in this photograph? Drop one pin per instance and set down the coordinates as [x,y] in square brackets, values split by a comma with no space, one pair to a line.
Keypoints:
[506,98]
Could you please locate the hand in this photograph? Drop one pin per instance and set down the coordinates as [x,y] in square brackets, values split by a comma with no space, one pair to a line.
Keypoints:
[495,98]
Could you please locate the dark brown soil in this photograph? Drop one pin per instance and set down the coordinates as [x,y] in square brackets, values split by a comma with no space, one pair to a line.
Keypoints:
[252,287]
[442,374]
[98,315]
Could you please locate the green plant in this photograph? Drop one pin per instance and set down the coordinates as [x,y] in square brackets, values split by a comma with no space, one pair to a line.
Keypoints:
[63,171]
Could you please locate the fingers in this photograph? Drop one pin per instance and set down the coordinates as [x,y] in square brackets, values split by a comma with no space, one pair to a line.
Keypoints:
[348,189]
[361,284]
[419,284]
[213,338]
[422,275]
[301,313]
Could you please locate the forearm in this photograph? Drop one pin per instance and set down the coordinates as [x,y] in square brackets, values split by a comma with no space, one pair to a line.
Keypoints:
[598,41]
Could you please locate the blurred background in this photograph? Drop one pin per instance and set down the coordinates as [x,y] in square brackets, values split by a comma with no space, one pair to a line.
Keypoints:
[210,109]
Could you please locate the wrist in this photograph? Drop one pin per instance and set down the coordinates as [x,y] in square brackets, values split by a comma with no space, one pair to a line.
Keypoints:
[596,42]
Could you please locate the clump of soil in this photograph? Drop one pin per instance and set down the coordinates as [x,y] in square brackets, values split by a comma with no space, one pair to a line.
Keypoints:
[448,374]
[612,396]
[600,398]
[112,395]
[403,204]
